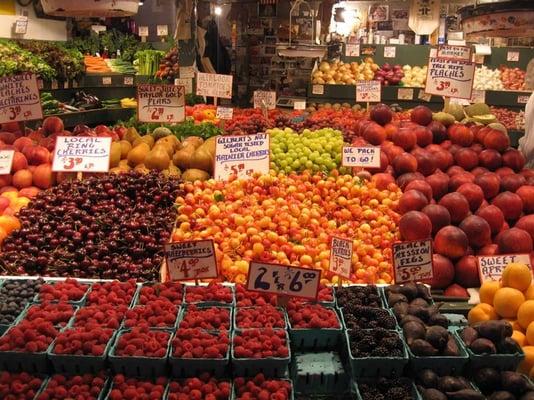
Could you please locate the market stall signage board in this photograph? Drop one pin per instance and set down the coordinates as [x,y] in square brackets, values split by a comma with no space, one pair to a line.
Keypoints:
[241,155]
[188,72]
[479,96]
[461,53]
[366,157]
[19,98]
[368,91]
[317,89]
[160,103]
[265,99]
[522,99]
[390,51]
[225,113]
[6,161]
[299,104]
[283,280]
[162,30]
[81,154]
[191,260]
[341,256]
[352,50]
[412,261]
[490,268]
[405,94]
[512,56]
[450,78]
[214,85]
[143,31]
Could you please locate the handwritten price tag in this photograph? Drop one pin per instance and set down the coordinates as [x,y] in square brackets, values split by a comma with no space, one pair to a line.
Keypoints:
[318,89]
[54,84]
[522,99]
[6,161]
[479,96]
[81,154]
[405,94]
[187,83]
[214,85]
[450,78]
[368,91]
[512,56]
[454,52]
[188,72]
[225,112]
[299,104]
[352,50]
[490,267]
[424,96]
[19,98]
[128,80]
[264,99]
[361,157]
[191,260]
[162,30]
[106,80]
[160,103]
[143,31]
[283,280]
[412,261]
[390,51]
[341,257]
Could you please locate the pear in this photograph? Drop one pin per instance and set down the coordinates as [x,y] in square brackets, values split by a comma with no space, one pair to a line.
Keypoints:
[161,132]
[182,158]
[131,135]
[157,158]
[202,159]
[144,139]
[142,168]
[193,174]
[169,148]
[137,155]
[172,171]
[194,140]
[114,154]
[126,146]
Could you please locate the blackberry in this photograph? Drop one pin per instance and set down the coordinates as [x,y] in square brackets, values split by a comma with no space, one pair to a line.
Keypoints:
[365,317]
[390,389]
[353,296]
[375,343]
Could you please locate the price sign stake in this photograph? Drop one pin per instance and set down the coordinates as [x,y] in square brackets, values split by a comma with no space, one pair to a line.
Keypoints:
[191,260]
[412,261]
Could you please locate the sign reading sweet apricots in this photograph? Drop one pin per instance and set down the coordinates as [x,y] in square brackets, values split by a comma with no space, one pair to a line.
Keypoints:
[490,268]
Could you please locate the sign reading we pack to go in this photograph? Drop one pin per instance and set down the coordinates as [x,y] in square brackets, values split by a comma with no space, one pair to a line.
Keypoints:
[81,154]
[191,260]
[214,85]
[19,98]
[368,156]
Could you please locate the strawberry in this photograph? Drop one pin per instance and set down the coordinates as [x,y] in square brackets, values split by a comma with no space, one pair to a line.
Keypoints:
[313,316]
[258,388]
[21,386]
[247,298]
[131,388]
[260,317]
[83,341]
[59,314]
[171,291]
[213,292]
[67,290]
[102,315]
[202,388]
[114,292]
[86,387]
[260,343]
[142,342]
[29,336]
[210,318]
[196,343]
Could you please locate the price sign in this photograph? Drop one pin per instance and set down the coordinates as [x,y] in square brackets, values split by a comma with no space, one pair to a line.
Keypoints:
[423,96]
[191,260]
[318,89]
[128,80]
[162,30]
[241,155]
[106,80]
[512,56]
[188,72]
[264,99]
[214,85]
[341,257]
[19,98]
[54,84]
[225,112]
[143,31]
[65,85]
[479,96]
[367,157]
[450,78]
[187,83]
[462,53]
[6,161]
[490,268]
[390,51]
[81,154]
[283,280]
[405,94]
[412,261]
[21,25]
[368,91]
[160,103]
[299,104]
[352,50]
[522,99]
[482,49]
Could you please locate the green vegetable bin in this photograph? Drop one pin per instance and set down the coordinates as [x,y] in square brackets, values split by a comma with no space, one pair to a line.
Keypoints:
[237,309]
[319,373]
[370,367]
[101,396]
[191,367]
[138,366]
[356,390]
[291,396]
[316,338]
[442,365]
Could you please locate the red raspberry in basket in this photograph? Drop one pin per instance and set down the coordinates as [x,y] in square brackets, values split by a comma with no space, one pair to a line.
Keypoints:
[102,315]
[313,316]
[196,343]
[325,294]
[132,388]
[156,314]
[29,336]
[142,342]
[115,293]
[260,317]
[212,292]
[171,291]
[21,386]
[260,343]
[259,388]
[68,290]
[210,318]
[83,341]
[86,387]
[58,314]
[247,298]
[202,388]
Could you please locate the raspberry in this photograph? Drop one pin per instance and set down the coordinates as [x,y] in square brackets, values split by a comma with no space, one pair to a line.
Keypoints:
[151,343]
[213,292]
[68,290]
[313,316]
[209,318]
[256,343]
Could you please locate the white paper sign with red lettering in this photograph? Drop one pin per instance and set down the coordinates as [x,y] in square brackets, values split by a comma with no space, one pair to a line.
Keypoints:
[81,154]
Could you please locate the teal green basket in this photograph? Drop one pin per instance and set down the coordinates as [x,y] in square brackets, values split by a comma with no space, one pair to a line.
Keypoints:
[80,302]
[237,309]
[291,397]
[18,361]
[371,367]
[101,396]
[316,339]
[274,367]
[356,390]
[319,373]
[138,366]
[442,365]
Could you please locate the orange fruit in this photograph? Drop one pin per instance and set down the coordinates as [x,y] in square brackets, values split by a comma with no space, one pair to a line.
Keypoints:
[528,362]
[487,291]
[481,312]
[529,293]
[3,234]
[515,324]
[9,223]
[525,314]
[519,338]
[507,302]
[529,334]
[517,276]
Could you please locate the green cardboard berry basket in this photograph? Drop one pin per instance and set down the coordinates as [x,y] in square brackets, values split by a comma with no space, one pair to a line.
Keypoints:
[505,362]
[233,395]
[179,313]
[273,367]
[138,293]
[237,309]
[191,367]
[211,302]
[316,338]
[370,367]
[201,306]
[138,366]
[101,396]
[24,313]
[80,302]
[319,373]
[356,390]
[345,327]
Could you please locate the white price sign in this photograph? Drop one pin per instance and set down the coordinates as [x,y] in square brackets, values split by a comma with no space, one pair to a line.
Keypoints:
[423,96]
[450,78]
[162,30]
[187,72]
[106,80]
[462,53]
[214,85]
[225,112]
[390,51]
[490,268]
[54,84]
[128,80]
[187,83]
[367,157]
[318,89]
[264,99]
[143,31]
[412,261]
[6,161]
[299,104]
[479,96]
[283,280]
[352,50]
[512,56]
[21,25]
[341,257]
[19,98]
[81,154]
[522,99]
[160,103]
[368,91]
[405,94]
[191,260]
[241,155]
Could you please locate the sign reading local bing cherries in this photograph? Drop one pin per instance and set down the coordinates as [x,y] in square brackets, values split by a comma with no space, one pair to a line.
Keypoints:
[81,154]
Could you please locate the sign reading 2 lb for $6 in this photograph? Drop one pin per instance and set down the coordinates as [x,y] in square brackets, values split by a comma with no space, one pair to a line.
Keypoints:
[283,280]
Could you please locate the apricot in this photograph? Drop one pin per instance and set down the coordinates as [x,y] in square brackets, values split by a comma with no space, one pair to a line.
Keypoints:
[457,206]
[382,180]
[439,216]
[507,302]
[22,178]
[451,242]
[514,241]
[415,225]
[412,200]
[487,291]
[490,184]
[477,230]
[510,204]
[480,313]
[517,276]
[466,158]
[473,193]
